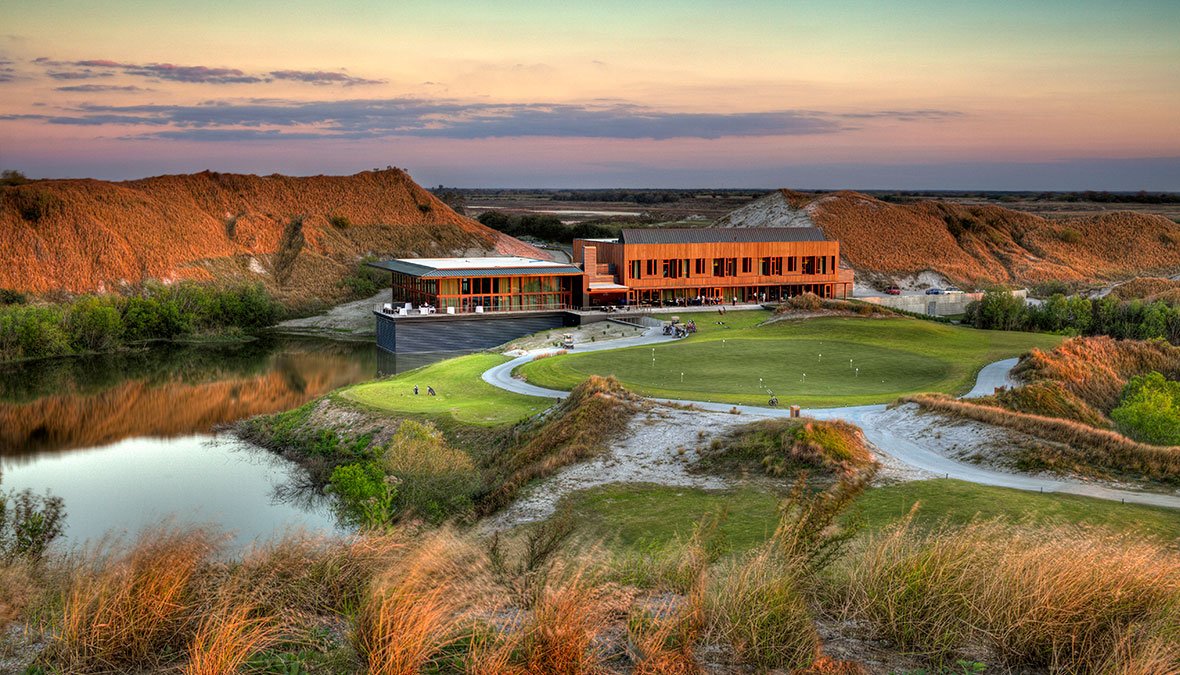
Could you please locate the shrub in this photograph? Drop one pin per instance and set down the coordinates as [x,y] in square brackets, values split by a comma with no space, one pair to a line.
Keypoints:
[10,297]
[365,281]
[1150,410]
[340,222]
[366,495]
[29,523]
[94,324]
[35,205]
[434,480]
[12,177]
[1069,235]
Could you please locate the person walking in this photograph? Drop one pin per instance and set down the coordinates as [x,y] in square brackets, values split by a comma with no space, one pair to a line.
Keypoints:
[430,390]
[415,390]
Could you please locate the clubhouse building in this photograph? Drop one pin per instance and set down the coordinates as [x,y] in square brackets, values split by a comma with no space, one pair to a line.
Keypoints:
[449,304]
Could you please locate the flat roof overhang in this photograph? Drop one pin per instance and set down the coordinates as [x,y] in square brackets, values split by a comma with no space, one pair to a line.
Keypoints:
[436,268]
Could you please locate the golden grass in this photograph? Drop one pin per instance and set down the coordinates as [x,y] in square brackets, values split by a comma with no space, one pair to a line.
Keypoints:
[1084,445]
[101,234]
[756,606]
[419,605]
[988,244]
[227,635]
[570,612]
[126,609]
[1057,598]
[1095,369]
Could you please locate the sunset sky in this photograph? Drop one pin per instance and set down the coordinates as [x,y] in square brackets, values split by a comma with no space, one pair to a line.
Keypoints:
[907,94]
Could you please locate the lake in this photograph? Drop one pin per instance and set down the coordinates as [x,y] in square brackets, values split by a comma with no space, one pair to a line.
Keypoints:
[130,440]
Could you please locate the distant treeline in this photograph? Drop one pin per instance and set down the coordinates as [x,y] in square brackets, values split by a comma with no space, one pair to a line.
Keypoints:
[1077,315]
[635,196]
[99,323]
[547,228]
[1140,197]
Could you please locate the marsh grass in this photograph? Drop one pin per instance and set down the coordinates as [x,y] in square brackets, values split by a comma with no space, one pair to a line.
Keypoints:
[1062,598]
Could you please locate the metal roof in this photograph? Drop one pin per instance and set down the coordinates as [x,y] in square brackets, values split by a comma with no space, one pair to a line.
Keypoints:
[718,235]
[434,268]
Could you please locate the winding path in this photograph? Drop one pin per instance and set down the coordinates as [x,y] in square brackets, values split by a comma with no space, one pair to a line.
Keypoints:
[867,418]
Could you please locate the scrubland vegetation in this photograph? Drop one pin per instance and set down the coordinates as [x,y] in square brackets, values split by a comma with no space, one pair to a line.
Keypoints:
[408,600]
[1111,405]
[99,323]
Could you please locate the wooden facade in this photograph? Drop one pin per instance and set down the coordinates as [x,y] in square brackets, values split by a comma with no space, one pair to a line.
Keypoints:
[680,266]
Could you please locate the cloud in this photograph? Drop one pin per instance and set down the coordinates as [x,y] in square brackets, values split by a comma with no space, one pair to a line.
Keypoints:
[90,88]
[322,77]
[85,74]
[93,68]
[176,73]
[250,119]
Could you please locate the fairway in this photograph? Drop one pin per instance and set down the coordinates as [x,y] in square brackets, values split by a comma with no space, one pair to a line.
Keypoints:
[815,363]
[462,394]
[638,516]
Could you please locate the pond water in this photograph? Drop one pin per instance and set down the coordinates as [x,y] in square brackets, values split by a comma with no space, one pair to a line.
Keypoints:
[132,440]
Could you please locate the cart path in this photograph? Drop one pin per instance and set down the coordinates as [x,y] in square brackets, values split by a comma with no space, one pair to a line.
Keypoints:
[866,417]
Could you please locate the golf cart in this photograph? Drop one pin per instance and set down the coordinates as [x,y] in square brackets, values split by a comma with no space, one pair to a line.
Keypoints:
[567,341]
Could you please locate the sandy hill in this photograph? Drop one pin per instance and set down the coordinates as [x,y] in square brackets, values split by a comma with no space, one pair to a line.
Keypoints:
[972,244]
[83,235]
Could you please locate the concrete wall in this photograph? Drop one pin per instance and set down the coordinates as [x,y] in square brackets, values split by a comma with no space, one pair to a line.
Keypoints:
[935,305]
[449,333]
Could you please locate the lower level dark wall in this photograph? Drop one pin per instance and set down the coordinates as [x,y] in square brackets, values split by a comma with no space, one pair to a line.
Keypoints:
[445,333]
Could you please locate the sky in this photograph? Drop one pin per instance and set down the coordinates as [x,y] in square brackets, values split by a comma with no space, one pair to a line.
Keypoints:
[906,94]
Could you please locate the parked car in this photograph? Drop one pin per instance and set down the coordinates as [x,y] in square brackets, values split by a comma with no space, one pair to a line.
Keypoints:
[953,289]
[893,290]
[934,291]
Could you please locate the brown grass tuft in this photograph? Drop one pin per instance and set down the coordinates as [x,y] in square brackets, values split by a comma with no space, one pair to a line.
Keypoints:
[418,606]
[129,606]
[1058,598]
[228,634]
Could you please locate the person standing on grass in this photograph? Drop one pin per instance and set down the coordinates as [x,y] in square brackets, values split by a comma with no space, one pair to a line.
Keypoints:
[415,390]
[430,390]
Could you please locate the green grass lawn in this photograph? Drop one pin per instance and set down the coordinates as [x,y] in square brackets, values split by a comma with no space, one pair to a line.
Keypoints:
[462,394]
[637,516]
[815,363]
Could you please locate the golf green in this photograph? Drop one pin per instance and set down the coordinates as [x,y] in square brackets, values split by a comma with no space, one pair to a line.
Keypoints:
[816,362]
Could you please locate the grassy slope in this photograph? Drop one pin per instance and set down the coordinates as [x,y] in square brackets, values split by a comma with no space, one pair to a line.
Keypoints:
[462,394]
[636,516]
[895,357]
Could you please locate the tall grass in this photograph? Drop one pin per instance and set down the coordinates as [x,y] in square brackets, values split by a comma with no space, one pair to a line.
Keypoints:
[419,605]
[228,634]
[756,606]
[125,610]
[1058,598]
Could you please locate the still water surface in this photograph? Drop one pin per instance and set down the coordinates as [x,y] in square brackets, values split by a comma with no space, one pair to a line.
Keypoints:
[131,440]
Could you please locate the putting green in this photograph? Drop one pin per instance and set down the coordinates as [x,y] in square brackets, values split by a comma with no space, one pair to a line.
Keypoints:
[815,363]
[461,394]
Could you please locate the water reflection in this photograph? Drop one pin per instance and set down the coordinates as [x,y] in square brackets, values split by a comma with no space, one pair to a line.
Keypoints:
[53,406]
[130,439]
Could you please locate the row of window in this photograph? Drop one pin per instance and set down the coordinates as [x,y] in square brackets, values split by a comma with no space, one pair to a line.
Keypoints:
[728,267]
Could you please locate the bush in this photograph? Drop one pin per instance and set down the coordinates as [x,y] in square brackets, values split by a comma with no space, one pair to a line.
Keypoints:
[94,324]
[29,523]
[1069,235]
[10,297]
[434,480]
[1150,410]
[366,495]
[365,281]
[340,222]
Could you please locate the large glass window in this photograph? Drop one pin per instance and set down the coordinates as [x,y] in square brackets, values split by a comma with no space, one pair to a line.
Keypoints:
[636,267]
